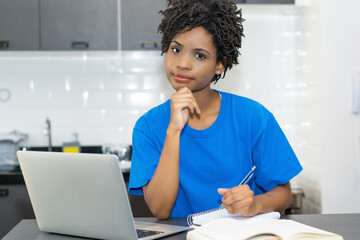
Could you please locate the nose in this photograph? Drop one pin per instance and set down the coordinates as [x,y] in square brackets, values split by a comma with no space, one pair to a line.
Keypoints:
[184,62]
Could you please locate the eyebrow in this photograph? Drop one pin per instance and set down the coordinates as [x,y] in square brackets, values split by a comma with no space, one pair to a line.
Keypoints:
[196,49]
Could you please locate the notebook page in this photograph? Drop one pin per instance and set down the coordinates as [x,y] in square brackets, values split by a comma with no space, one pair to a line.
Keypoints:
[229,229]
[290,228]
[223,213]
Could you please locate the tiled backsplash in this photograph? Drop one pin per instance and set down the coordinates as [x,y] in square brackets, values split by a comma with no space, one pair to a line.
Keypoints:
[100,95]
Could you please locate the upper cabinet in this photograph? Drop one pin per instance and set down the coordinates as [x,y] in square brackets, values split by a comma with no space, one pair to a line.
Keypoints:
[85,24]
[79,24]
[139,22]
[19,25]
[265,1]
[59,25]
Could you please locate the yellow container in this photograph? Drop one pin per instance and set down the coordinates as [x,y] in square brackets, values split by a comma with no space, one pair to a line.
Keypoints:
[71,149]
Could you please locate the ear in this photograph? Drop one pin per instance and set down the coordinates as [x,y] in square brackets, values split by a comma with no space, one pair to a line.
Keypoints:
[219,69]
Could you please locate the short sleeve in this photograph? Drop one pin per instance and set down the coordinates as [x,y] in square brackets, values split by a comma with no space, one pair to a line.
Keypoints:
[145,157]
[273,156]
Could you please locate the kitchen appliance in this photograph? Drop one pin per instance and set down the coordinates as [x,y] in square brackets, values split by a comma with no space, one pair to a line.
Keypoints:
[9,144]
[122,151]
[297,201]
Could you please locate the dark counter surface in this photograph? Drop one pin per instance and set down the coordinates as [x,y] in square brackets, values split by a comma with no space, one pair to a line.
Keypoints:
[347,225]
[15,176]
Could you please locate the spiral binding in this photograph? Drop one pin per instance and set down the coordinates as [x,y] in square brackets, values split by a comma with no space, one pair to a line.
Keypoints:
[189,218]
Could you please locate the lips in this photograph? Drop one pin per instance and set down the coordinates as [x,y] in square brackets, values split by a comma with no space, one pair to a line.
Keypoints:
[182,78]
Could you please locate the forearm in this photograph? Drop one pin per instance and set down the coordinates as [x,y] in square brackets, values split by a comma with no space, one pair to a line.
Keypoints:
[277,199]
[161,192]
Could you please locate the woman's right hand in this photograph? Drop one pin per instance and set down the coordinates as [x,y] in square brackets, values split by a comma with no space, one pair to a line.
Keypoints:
[182,104]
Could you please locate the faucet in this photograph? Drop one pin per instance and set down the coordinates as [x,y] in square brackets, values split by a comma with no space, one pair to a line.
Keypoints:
[47,132]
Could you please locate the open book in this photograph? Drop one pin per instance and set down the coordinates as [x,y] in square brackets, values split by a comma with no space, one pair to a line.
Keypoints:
[260,228]
[202,218]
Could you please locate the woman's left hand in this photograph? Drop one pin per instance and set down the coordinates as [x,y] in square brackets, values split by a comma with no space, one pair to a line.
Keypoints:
[239,200]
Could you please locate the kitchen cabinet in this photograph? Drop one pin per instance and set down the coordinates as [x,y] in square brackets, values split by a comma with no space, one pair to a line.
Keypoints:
[59,25]
[19,25]
[85,24]
[139,22]
[14,206]
[265,1]
[79,24]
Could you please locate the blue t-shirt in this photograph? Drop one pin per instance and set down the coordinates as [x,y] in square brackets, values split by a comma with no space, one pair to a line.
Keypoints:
[245,134]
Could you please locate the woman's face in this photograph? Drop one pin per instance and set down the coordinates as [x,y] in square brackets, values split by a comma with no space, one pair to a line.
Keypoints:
[191,60]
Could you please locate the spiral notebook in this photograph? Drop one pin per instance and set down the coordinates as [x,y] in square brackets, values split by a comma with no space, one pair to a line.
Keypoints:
[201,218]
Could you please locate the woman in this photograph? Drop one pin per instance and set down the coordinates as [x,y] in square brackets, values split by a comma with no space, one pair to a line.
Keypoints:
[191,152]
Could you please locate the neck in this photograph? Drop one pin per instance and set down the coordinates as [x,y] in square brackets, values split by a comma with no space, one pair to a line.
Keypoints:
[205,99]
[208,101]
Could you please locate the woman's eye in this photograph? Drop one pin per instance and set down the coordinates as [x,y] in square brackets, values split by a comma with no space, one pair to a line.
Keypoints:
[200,56]
[175,50]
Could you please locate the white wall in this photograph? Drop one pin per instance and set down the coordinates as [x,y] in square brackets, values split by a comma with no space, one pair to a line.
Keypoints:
[340,59]
[100,95]
[280,67]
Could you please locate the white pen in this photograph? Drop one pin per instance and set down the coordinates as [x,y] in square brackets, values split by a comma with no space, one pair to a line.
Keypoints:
[245,180]
[248,176]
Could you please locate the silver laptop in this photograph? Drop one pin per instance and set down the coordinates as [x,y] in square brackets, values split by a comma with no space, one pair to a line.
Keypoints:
[83,195]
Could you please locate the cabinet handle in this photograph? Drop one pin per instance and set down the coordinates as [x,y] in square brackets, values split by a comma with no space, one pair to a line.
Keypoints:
[80,45]
[4,192]
[149,45]
[4,44]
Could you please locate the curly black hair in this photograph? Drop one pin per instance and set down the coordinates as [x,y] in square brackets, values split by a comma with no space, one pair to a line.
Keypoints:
[220,18]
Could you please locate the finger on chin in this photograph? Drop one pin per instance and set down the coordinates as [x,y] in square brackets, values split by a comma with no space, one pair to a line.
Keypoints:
[222,191]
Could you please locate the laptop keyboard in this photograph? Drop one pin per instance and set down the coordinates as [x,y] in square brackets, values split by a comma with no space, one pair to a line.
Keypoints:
[145,233]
